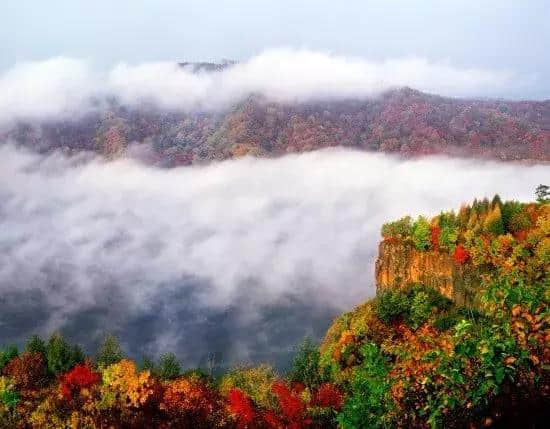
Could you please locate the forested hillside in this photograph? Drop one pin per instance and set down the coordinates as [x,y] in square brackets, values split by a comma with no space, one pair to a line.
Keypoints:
[428,354]
[404,121]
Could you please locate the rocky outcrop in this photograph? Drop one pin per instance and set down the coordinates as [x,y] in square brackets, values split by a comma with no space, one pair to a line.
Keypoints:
[400,264]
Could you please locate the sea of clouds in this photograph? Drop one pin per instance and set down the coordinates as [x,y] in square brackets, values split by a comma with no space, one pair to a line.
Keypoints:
[240,259]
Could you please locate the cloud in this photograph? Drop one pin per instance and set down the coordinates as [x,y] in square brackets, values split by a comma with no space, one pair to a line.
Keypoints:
[68,87]
[239,257]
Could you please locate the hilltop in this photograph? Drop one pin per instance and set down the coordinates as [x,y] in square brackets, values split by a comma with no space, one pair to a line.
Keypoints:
[401,121]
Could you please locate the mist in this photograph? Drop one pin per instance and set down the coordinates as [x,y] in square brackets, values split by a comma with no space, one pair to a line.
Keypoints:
[70,87]
[238,259]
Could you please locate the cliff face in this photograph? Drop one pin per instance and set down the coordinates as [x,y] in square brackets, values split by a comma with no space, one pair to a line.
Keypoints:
[400,264]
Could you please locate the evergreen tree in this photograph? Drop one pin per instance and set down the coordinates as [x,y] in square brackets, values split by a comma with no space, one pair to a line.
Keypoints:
[168,367]
[543,193]
[110,351]
[305,365]
[421,233]
[61,356]
[7,354]
[35,344]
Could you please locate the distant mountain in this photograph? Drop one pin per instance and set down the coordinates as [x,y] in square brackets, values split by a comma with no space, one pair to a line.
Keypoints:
[403,121]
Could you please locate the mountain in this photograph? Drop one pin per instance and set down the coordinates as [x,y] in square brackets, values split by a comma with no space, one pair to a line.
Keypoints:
[403,121]
[457,336]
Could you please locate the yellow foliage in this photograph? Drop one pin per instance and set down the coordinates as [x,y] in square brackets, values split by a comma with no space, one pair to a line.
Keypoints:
[255,382]
[133,388]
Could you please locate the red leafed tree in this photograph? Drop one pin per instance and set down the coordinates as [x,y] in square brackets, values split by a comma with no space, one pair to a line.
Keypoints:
[241,406]
[27,371]
[328,396]
[292,407]
[461,255]
[80,377]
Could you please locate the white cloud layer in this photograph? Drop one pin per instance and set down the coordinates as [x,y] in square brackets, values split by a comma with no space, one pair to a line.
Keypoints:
[47,89]
[306,226]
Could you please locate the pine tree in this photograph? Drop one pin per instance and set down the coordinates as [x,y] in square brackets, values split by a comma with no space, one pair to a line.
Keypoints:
[493,222]
[110,351]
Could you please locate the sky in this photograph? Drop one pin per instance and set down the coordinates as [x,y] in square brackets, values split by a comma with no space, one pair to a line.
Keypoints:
[502,35]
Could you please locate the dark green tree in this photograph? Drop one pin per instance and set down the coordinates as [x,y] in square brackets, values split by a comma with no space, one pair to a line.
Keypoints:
[61,356]
[35,344]
[7,354]
[110,351]
[168,367]
[543,193]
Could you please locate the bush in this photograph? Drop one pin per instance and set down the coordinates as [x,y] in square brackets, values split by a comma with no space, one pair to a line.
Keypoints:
[400,228]
[421,233]
[369,401]
[305,366]
[391,304]
[420,310]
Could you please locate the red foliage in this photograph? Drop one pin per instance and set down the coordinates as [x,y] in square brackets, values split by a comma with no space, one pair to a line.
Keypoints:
[328,396]
[27,371]
[80,377]
[272,420]
[291,405]
[436,232]
[461,255]
[241,406]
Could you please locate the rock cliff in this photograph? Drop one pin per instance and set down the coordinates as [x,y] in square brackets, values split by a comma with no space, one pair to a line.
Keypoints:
[400,264]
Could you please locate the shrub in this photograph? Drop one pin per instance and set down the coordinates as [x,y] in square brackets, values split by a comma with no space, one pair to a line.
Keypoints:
[241,407]
[305,365]
[255,382]
[461,255]
[398,229]
[421,233]
[369,400]
[420,310]
[391,304]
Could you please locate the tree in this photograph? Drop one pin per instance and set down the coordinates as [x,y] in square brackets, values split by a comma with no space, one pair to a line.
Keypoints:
[7,354]
[110,351]
[493,222]
[61,356]
[35,344]
[168,367]
[421,233]
[305,366]
[543,193]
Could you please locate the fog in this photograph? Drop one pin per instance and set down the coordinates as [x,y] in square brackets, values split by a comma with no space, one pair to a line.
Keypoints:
[240,259]
[70,87]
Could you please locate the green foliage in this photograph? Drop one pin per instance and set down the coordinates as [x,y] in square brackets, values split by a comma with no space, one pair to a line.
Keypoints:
[147,364]
[391,304]
[168,367]
[400,228]
[305,365]
[110,351]
[420,310]
[493,222]
[369,401]
[7,354]
[9,397]
[542,193]
[448,238]
[61,356]
[421,233]
[35,344]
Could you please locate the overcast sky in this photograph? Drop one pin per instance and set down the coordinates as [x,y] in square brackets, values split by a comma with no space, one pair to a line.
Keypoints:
[500,35]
